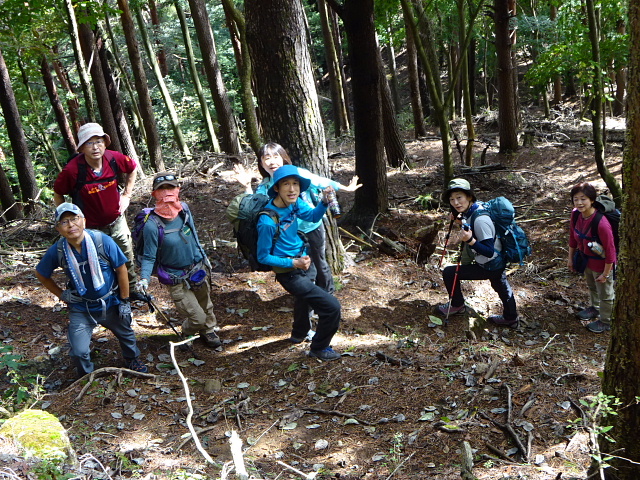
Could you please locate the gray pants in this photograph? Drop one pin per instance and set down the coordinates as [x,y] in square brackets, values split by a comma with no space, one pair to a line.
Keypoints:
[602,294]
[81,327]
[121,234]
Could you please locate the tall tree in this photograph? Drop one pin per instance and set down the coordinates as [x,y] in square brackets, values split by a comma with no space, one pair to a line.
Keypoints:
[419,126]
[597,104]
[204,107]
[622,366]
[10,209]
[88,44]
[146,109]
[61,117]
[373,197]
[228,130]
[21,157]
[168,102]
[507,101]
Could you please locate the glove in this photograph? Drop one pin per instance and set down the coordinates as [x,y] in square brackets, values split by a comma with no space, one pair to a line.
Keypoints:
[69,297]
[142,285]
[124,310]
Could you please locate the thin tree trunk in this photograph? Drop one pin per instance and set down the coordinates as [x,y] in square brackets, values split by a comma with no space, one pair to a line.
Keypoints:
[206,115]
[419,126]
[228,130]
[393,83]
[168,102]
[54,99]
[146,109]
[393,144]
[621,79]
[160,53]
[245,69]
[596,106]
[21,157]
[72,102]
[337,42]
[91,56]
[466,89]
[338,101]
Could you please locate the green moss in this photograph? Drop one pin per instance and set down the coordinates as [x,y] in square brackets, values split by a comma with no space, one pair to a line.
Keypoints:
[39,433]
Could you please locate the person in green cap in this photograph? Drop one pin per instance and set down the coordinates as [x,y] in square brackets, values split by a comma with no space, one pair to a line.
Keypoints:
[482,247]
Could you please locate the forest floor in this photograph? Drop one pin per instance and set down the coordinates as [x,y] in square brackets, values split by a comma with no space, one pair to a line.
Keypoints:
[407,392]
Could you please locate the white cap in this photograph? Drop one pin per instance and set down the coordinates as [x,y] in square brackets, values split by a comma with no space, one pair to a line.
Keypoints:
[88,130]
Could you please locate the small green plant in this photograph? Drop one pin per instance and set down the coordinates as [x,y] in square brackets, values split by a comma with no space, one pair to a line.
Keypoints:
[23,384]
[427,201]
[51,469]
[397,449]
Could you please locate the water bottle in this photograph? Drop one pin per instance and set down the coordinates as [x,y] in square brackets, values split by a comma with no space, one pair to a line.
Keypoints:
[596,248]
[333,204]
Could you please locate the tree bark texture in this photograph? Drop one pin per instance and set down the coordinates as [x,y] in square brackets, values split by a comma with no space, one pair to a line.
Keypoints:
[21,157]
[622,367]
[73,106]
[373,197]
[230,142]
[160,53]
[91,57]
[8,203]
[58,110]
[507,114]
[146,109]
[285,87]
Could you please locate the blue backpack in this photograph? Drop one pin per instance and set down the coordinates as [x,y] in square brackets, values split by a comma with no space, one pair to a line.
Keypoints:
[515,244]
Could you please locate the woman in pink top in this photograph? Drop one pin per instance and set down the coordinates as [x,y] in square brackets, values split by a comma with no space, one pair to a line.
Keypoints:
[598,268]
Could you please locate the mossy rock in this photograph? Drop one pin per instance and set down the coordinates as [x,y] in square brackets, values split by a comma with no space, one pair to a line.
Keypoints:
[39,434]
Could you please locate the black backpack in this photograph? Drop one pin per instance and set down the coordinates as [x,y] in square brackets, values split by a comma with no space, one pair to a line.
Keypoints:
[243,212]
[605,207]
[81,179]
[96,236]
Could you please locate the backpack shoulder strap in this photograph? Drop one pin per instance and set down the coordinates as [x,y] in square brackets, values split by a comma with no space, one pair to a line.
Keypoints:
[595,223]
[273,215]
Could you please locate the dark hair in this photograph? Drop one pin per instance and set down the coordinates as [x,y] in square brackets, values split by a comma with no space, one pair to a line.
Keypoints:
[586,188]
[270,147]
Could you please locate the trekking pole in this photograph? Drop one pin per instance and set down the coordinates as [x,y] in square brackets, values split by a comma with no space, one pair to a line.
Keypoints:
[446,238]
[152,304]
[455,277]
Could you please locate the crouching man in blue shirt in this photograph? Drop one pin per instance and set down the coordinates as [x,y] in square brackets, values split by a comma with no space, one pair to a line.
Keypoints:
[98,288]
[293,267]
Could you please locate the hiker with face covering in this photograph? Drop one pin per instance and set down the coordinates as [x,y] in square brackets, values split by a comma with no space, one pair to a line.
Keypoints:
[173,252]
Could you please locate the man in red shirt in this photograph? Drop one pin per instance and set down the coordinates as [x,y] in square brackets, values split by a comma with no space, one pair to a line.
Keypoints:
[91,179]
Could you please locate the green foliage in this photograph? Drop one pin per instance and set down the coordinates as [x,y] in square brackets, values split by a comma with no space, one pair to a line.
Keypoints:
[51,469]
[22,384]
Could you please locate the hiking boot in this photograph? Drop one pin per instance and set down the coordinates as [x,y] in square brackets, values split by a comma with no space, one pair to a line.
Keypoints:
[325,355]
[137,366]
[308,338]
[445,308]
[588,313]
[599,326]
[503,322]
[211,339]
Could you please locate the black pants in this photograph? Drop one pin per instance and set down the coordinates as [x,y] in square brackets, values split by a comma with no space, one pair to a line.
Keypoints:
[317,248]
[299,283]
[474,271]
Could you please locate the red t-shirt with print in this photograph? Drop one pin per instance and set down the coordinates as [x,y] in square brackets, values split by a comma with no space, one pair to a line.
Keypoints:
[100,196]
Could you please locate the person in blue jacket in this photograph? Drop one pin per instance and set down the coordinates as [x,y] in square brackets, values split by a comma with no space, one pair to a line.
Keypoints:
[98,289]
[293,267]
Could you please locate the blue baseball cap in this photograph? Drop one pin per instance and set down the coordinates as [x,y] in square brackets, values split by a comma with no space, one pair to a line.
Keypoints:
[67,207]
[287,171]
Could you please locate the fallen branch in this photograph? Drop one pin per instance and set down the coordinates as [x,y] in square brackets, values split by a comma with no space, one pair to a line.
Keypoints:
[103,372]
[392,360]
[400,465]
[353,237]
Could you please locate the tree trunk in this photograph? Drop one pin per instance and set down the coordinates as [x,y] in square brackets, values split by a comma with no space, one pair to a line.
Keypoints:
[228,131]
[597,106]
[146,109]
[73,106]
[285,87]
[337,42]
[338,101]
[91,57]
[393,68]
[393,144]
[11,209]
[373,197]
[507,114]
[621,79]
[126,142]
[471,74]
[419,126]
[54,99]
[166,96]
[82,67]
[204,107]
[160,54]
[21,157]
[466,88]
[245,69]
[622,367]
